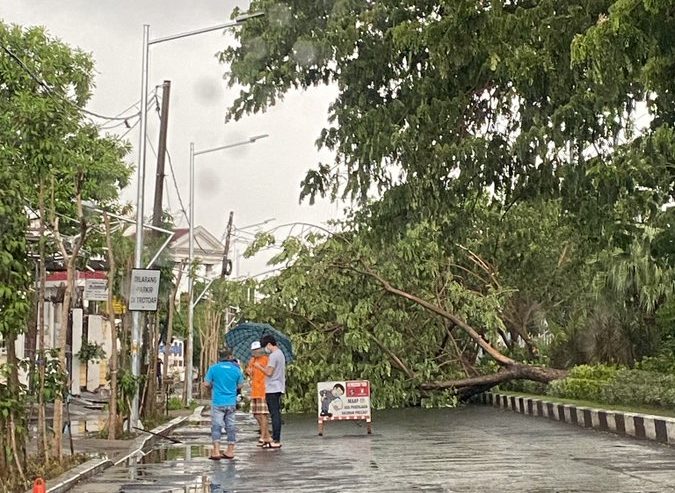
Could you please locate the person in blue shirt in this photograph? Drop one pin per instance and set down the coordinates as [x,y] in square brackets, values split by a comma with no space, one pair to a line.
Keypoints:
[224,378]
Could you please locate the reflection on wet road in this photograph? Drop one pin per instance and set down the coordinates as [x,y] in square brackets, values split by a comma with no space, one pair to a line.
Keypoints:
[473,449]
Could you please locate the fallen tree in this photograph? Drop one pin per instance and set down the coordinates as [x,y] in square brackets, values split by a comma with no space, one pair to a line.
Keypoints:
[466,387]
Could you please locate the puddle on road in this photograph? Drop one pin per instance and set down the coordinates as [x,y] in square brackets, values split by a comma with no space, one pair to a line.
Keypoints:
[174,453]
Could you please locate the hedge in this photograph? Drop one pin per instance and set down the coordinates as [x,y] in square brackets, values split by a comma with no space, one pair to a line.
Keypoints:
[615,385]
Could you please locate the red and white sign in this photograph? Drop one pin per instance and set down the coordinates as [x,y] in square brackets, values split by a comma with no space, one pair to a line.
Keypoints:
[343,400]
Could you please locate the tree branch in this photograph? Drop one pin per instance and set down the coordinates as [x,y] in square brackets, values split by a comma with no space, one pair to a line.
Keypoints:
[397,361]
[485,345]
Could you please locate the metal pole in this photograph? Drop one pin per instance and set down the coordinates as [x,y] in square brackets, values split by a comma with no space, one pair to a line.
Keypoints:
[191,281]
[236,22]
[140,196]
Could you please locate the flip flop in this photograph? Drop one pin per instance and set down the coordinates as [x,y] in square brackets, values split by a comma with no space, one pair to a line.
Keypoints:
[212,457]
[225,456]
[272,445]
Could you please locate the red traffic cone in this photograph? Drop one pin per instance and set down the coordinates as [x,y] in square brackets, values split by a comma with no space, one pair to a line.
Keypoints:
[39,486]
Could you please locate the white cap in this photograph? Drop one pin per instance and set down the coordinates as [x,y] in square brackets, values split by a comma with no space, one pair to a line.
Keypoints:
[255,345]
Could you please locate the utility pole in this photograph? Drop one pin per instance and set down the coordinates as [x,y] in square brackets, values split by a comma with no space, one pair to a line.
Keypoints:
[161,155]
[227,263]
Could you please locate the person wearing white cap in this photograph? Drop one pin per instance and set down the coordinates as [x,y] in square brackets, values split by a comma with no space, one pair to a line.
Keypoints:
[258,404]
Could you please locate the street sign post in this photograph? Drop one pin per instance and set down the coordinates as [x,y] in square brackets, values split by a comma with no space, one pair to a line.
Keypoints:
[144,291]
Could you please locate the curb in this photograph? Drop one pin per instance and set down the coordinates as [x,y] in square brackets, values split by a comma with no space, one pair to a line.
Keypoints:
[95,466]
[659,429]
[141,443]
[85,470]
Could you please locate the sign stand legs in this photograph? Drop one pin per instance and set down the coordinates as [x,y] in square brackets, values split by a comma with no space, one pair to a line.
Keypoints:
[369,426]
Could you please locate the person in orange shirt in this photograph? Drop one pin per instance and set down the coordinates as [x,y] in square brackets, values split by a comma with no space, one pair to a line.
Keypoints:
[258,404]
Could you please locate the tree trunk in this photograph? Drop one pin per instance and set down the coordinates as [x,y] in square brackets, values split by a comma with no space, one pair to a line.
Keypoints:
[169,331]
[112,405]
[70,260]
[151,383]
[41,356]
[511,370]
[63,333]
[13,387]
[515,371]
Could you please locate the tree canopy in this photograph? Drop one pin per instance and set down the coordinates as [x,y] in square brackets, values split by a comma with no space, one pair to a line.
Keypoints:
[510,162]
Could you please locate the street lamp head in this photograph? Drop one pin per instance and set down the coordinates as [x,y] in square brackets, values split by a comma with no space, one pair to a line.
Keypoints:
[244,17]
[257,137]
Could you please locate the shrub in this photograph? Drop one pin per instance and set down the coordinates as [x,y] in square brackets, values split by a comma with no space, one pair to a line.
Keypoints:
[612,385]
[584,382]
[642,388]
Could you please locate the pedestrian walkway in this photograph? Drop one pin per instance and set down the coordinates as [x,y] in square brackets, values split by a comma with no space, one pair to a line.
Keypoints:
[472,449]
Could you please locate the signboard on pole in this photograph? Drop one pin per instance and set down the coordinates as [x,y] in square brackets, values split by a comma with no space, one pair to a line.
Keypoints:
[95,290]
[118,306]
[343,400]
[144,291]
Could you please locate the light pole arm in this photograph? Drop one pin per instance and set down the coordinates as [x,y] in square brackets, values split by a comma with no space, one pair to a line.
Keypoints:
[229,146]
[239,20]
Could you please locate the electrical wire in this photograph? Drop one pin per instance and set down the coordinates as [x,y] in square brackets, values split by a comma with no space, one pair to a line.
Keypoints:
[180,199]
[56,95]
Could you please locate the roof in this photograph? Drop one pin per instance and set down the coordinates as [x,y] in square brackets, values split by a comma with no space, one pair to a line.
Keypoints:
[62,275]
[179,233]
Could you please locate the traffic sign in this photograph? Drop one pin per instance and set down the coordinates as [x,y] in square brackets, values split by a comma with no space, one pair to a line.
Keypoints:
[144,292]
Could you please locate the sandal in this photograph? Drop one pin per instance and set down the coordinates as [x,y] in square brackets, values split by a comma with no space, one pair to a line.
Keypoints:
[225,456]
[215,457]
[271,445]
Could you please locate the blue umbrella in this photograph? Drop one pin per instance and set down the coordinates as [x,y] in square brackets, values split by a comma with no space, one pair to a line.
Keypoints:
[239,340]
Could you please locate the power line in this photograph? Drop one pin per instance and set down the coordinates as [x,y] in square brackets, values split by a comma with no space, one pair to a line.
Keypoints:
[130,129]
[53,93]
[180,199]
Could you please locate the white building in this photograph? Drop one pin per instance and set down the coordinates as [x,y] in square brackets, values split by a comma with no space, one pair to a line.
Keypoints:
[208,253]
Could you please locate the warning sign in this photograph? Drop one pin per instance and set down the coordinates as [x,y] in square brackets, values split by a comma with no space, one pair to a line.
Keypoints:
[344,400]
[144,291]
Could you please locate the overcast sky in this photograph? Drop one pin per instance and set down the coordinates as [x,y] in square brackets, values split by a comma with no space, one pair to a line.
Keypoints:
[258,181]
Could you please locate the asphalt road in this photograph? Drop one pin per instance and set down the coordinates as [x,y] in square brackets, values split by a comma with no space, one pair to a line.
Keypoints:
[472,449]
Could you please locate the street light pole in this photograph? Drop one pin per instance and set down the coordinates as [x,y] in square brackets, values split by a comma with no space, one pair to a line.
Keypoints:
[191,306]
[140,197]
[191,239]
[140,192]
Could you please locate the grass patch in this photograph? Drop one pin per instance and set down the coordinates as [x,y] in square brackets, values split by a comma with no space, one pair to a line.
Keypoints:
[40,468]
[176,404]
[150,423]
[657,411]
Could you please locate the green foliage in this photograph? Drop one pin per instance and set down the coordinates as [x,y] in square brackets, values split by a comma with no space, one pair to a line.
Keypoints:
[56,377]
[538,136]
[90,351]
[662,362]
[175,403]
[584,382]
[126,387]
[641,387]
[612,385]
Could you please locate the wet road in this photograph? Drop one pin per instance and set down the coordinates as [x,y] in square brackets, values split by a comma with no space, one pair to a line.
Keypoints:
[473,449]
